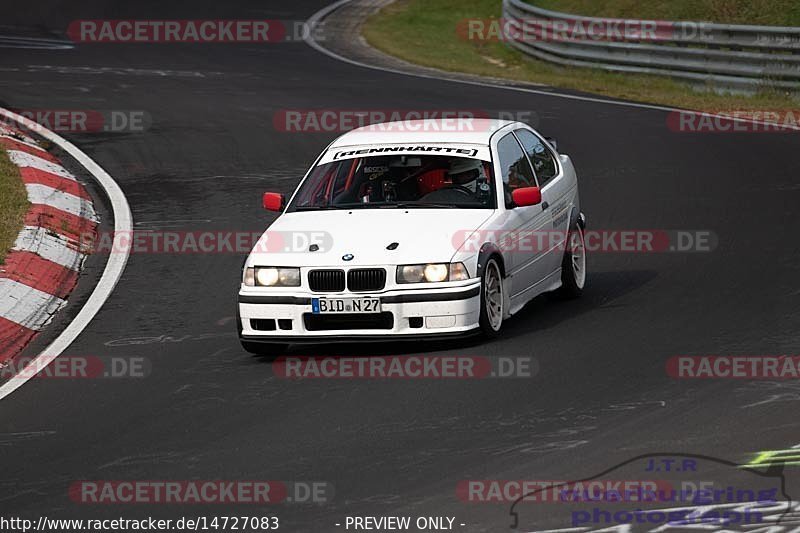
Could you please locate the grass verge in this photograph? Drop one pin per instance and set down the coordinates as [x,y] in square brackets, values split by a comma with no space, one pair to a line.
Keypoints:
[762,12]
[13,203]
[424,32]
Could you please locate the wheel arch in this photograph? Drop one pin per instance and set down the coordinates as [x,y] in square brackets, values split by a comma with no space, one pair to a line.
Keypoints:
[576,217]
[488,251]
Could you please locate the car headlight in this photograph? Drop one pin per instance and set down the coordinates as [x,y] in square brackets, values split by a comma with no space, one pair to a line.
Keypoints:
[271,277]
[432,273]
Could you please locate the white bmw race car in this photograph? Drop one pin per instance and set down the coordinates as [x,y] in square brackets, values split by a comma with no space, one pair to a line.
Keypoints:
[407,231]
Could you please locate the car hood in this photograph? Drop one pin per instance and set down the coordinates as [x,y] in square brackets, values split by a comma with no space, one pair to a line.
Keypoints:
[422,236]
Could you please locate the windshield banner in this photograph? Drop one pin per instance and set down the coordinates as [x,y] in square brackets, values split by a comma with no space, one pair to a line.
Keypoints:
[473,151]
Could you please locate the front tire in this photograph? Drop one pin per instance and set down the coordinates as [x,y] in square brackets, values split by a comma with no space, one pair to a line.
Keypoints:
[573,266]
[492,300]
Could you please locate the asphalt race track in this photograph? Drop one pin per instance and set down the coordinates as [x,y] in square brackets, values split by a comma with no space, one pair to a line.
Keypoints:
[208,410]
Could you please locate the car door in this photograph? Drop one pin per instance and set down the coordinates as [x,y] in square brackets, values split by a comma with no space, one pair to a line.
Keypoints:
[522,224]
[557,193]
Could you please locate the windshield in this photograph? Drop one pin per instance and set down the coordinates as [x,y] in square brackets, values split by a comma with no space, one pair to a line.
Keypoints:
[428,181]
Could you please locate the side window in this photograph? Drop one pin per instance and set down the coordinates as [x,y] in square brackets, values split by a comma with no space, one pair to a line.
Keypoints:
[514,167]
[541,157]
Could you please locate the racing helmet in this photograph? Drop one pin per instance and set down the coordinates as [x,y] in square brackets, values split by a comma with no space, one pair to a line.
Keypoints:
[463,170]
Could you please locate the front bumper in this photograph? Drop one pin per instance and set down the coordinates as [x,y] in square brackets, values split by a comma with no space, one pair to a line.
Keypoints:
[406,314]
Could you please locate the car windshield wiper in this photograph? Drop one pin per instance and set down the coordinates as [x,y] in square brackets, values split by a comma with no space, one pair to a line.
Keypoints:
[317,207]
[376,205]
[401,205]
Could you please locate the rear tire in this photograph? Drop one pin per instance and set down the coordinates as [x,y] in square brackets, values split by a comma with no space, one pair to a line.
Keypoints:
[492,300]
[573,266]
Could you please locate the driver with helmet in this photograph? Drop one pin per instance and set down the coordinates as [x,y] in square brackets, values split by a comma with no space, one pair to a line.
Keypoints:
[467,173]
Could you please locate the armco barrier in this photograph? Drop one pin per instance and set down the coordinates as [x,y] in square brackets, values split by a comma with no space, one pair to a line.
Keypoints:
[730,56]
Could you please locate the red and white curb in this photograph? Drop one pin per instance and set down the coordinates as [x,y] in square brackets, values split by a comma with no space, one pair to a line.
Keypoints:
[42,268]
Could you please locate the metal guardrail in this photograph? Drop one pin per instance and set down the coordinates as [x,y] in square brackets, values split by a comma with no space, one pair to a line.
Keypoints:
[723,55]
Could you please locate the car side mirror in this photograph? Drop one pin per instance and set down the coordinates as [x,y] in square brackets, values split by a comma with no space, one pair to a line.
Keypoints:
[273,201]
[553,142]
[526,196]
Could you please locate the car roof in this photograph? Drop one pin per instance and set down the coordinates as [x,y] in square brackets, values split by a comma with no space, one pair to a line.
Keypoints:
[462,131]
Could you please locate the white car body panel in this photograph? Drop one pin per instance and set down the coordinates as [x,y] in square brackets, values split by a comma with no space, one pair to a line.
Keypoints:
[366,233]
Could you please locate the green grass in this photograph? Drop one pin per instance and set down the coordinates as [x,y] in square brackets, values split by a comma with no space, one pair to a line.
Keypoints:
[424,32]
[767,12]
[13,204]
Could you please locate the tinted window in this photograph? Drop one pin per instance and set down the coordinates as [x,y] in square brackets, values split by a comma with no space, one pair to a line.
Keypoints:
[426,181]
[541,157]
[514,165]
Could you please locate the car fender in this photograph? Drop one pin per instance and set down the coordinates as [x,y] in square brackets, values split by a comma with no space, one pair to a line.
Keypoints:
[487,250]
[576,217]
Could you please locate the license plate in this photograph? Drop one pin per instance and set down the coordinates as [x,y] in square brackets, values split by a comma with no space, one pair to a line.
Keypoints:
[321,306]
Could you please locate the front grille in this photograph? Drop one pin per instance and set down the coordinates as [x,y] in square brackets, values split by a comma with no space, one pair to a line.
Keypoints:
[366,279]
[326,280]
[314,322]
